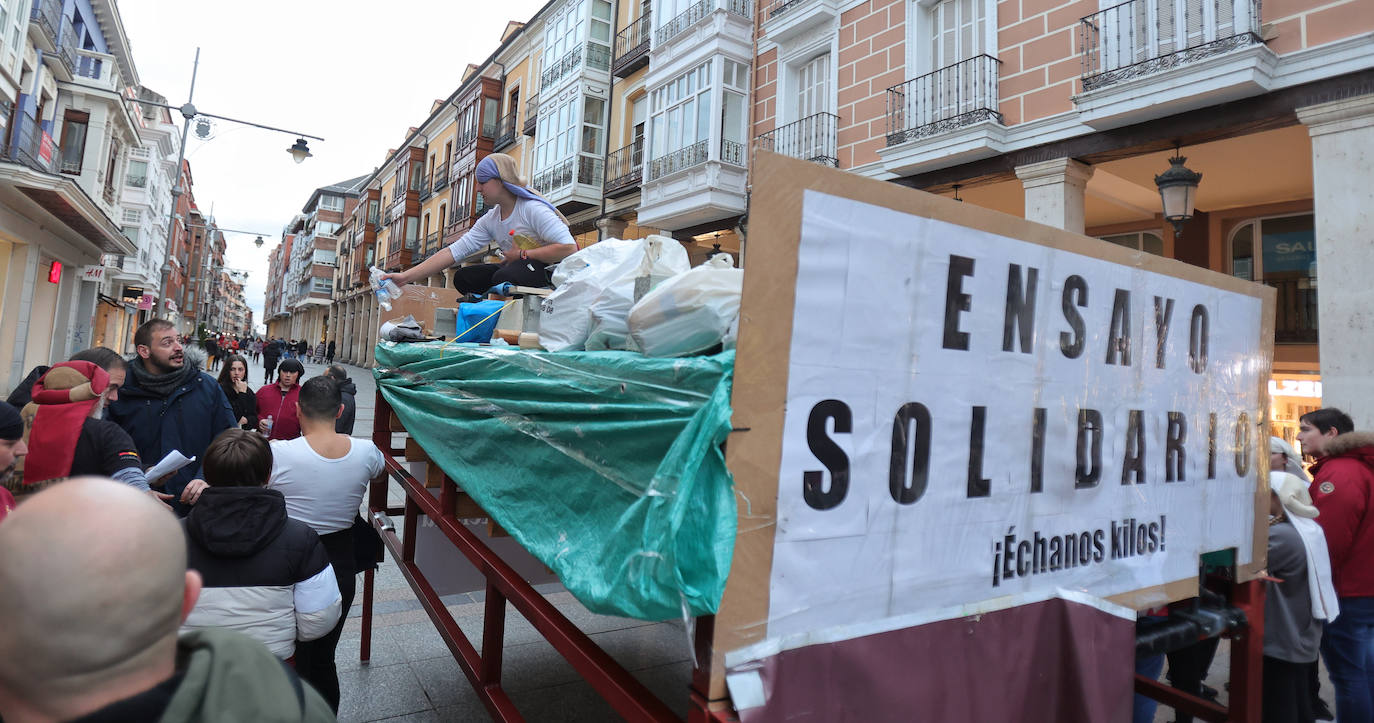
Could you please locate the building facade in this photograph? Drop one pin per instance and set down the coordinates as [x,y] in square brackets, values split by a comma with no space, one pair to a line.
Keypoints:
[1064,113]
[302,273]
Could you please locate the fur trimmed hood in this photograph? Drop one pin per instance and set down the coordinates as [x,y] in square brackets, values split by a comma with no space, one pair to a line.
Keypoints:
[1346,444]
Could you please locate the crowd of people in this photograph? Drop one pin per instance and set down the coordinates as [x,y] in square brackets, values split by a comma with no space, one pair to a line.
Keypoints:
[220,347]
[148,621]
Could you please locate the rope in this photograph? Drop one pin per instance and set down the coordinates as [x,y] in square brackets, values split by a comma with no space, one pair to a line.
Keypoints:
[456,337]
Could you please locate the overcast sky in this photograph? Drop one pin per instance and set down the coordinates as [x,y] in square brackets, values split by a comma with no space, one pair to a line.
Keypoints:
[357,73]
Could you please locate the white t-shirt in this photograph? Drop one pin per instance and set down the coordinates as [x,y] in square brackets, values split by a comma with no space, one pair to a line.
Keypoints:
[323,493]
[530,218]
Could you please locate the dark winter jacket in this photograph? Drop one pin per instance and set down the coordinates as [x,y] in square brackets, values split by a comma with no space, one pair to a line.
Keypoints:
[1343,491]
[221,676]
[348,393]
[187,420]
[265,575]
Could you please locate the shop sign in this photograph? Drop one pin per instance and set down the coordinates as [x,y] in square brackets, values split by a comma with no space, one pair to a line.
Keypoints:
[146,303]
[1290,251]
[45,149]
[971,416]
[93,272]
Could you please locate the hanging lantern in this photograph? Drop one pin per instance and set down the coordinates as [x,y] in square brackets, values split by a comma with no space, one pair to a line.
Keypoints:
[1178,192]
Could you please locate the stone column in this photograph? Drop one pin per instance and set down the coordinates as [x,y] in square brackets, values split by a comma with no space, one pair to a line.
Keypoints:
[1342,168]
[1054,192]
[611,227]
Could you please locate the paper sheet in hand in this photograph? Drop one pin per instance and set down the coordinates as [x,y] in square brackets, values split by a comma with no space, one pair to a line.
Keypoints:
[172,462]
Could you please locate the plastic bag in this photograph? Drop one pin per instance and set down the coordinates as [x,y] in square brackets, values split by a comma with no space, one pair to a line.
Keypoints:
[477,321]
[580,280]
[407,329]
[663,258]
[689,313]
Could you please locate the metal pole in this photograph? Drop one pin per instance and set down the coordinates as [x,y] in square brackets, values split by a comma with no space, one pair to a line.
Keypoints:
[177,191]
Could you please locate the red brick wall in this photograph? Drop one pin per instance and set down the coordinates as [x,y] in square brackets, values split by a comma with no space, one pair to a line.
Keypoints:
[1299,24]
[872,59]
[1038,44]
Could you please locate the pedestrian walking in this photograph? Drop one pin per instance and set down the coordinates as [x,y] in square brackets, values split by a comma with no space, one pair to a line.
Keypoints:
[277,402]
[212,353]
[167,403]
[318,357]
[323,475]
[233,379]
[1342,486]
[271,354]
[348,396]
[329,353]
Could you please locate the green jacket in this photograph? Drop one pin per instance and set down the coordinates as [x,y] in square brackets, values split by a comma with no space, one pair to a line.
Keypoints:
[231,677]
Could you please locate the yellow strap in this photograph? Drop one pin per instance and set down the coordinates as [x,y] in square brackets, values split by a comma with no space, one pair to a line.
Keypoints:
[456,337]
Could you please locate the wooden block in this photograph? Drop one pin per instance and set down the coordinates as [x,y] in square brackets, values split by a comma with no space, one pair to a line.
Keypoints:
[434,477]
[495,530]
[468,508]
[414,452]
[394,424]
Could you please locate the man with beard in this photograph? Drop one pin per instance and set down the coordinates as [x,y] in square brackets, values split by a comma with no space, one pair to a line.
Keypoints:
[168,404]
[12,448]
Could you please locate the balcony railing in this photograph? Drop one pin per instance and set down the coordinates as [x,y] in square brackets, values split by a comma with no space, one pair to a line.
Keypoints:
[47,15]
[582,169]
[777,7]
[66,49]
[28,144]
[731,152]
[625,167]
[692,155]
[531,114]
[812,138]
[597,56]
[689,17]
[949,98]
[440,176]
[632,47]
[505,131]
[1140,37]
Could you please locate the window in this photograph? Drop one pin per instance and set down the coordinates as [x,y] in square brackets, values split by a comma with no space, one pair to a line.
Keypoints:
[130,232]
[681,111]
[323,256]
[1146,241]
[73,140]
[462,198]
[138,174]
[1281,252]
[958,30]
[813,87]
[330,202]
[491,113]
[133,216]
[326,227]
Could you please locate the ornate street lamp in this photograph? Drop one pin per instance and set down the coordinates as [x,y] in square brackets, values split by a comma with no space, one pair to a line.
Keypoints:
[1178,191]
[299,151]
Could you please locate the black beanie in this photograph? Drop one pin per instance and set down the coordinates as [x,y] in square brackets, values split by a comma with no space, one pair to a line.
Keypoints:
[11,425]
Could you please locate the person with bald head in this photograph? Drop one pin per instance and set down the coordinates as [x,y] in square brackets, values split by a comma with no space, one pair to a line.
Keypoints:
[92,598]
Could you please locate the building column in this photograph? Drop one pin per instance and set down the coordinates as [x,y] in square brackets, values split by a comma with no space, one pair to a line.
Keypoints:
[1342,165]
[611,227]
[1054,192]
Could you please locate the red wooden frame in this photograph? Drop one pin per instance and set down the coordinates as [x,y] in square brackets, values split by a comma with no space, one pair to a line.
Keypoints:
[617,686]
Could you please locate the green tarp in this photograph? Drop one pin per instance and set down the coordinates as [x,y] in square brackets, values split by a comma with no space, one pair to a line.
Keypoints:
[606,466]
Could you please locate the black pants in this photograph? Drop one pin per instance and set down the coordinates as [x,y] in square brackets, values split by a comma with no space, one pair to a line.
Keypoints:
[315,662]
[1188,668]
[1287,692]
[477,279]
[269,369]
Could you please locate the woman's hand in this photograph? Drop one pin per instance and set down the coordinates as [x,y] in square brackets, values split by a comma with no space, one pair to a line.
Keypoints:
[241,386]
[398,278]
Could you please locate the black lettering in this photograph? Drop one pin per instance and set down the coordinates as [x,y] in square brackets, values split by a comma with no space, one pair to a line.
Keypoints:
[1042,556]
[1085,548]
[1197,340]
[1099,549]
[1133,460]
[1037,474]
[957,301]
[1161,532]
[915,447]
[978,486]
[1164,313]
[1119,334]
[1154,537]
[829,454]
[1075,293]
[1089,449]
[1023,551]
[1056,554]
[1174,457]
[1244,444]
[1212,445]
[1019,319]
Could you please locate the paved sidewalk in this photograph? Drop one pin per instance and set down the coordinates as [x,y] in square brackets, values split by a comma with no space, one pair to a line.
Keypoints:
[413,677]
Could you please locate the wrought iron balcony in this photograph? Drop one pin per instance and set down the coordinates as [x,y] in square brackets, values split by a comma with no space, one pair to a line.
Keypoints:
[582,169]
[597,57]
[47,15]
[949,98]
[66,50]
[1140,37]
[531,114]
[466,137]
[27,144]
[812,138]
[692,155]
[698,11]
[440,176]
[1295,311]
[632,47]
[505,131]
[625,169]
[731,152]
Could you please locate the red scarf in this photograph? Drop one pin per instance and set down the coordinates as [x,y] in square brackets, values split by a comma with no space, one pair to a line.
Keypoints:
[62,402]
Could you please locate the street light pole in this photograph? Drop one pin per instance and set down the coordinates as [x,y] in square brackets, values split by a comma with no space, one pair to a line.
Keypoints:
[298,151]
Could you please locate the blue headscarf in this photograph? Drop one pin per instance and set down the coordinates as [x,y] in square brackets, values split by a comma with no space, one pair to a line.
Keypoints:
[486,170]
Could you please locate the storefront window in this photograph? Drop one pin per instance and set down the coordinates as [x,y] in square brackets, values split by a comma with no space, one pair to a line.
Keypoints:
[1287,261]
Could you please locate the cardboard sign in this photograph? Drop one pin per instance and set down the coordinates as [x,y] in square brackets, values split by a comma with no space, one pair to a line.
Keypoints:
[940,405]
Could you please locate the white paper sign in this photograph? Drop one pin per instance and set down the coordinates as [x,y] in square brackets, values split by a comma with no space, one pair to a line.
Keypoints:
[971,416]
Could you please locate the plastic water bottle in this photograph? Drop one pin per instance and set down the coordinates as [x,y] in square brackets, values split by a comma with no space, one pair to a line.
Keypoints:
[386,290]
[268,422]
